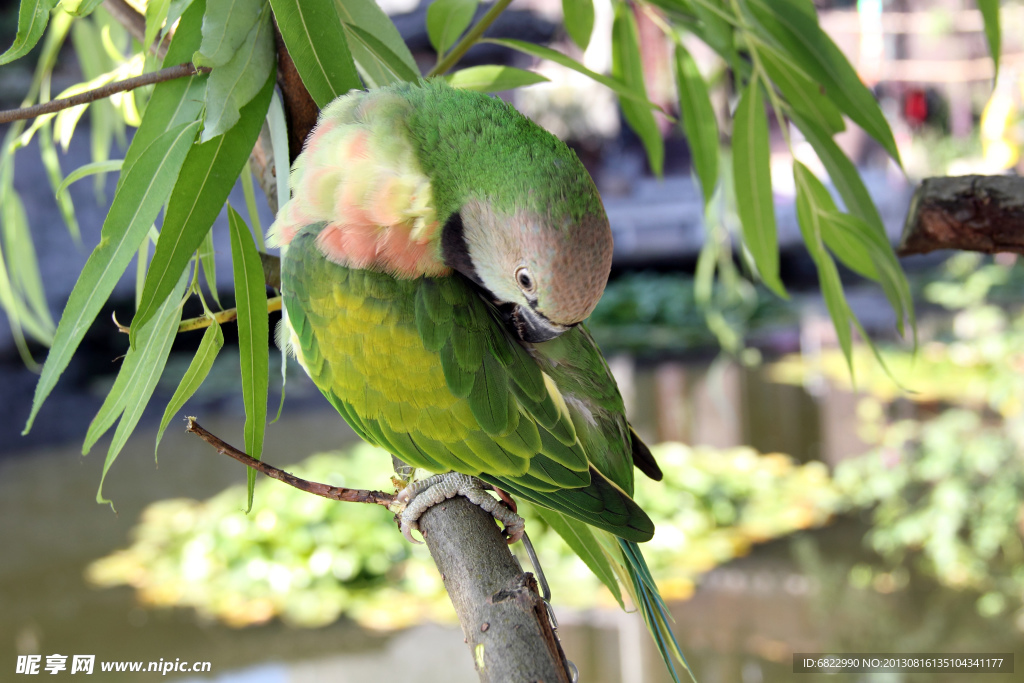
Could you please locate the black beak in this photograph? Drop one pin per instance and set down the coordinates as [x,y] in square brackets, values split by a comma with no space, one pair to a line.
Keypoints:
[528,325]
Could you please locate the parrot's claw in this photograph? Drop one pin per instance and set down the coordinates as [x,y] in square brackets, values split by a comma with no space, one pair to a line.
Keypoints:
[421,495]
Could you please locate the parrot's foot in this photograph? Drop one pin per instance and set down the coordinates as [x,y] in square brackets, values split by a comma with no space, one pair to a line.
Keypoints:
[421,495]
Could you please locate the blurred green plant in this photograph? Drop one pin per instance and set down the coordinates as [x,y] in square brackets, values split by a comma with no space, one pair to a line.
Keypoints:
[973,358]
[945,489]
[308,560]
[646,313]
[947,496]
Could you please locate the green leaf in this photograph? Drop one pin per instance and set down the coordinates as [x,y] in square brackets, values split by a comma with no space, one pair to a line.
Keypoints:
[24,268]
[131,214]
[208,262]
[142,368]
[492,78]
[88,170]
[176,9]
[579,20]
[715,28]
[812,209]
[753,182]
[176,101]
[279,145]
[843,173]
[316,41]
[859,246]
[253,330]
[698,120]
[800,92]
[250,200]
[850,237]
[207,176]
[85,36]
[541,52]
[236,83]
[797,32]
[51,162]
[990,15]
[198,369]
[580,538]
[80,8]
[141,266]
[447,20]
[33,16]
[628,68]
[156,15]
[370,19]
[377,64]
[226,28]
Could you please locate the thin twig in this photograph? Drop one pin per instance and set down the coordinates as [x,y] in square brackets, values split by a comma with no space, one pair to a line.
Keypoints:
[469,40]
[170,73]
[203,321]
[338,493]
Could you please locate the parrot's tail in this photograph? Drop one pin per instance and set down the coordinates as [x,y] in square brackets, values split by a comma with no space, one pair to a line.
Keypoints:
[648,600]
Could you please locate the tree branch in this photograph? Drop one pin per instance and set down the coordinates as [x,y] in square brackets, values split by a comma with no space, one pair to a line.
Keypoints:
[170,73]
[972,213]
[506,622]
[323,490]
[300,110]
[504,619]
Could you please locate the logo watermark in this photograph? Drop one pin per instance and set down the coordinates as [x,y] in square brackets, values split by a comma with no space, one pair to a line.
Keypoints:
[86,664]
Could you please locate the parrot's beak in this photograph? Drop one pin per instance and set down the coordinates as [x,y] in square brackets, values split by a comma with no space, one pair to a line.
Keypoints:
[529,325]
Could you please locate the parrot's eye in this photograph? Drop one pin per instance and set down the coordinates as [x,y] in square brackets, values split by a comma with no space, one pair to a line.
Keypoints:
[524,279]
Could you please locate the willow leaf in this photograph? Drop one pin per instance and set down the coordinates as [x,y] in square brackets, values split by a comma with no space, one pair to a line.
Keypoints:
[698,120]
[143,366]
[627,67]
[207,176]
[579,20]
[198,369]
[131,214]
[33,15]
[315,39]
[753,182]
[493,78]
[253,331]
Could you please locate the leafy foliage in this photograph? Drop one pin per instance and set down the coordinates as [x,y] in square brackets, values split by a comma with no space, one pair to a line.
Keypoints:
[785,67]
[307,560]
[945,492]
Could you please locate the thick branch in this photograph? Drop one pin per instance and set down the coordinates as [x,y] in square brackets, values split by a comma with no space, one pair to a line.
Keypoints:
[323,490]
[503,617]
[971,213]
[300,110]
[170,73]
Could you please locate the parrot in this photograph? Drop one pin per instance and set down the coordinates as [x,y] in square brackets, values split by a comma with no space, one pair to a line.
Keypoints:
[439,255]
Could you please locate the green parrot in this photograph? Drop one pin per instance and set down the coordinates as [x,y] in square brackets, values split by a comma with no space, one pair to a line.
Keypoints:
[438,257]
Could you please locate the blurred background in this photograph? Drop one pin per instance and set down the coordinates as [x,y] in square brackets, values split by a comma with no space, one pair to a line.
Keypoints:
[802,511]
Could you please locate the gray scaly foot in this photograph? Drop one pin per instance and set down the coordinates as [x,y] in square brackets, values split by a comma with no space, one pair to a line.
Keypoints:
[421,495]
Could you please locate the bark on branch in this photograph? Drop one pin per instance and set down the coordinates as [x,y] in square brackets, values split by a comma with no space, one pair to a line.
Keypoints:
[168,74]
[971,213]
[338,493]
[505,620]
[503,617]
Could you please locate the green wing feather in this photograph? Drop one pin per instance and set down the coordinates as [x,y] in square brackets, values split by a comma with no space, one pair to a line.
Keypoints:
[423,368]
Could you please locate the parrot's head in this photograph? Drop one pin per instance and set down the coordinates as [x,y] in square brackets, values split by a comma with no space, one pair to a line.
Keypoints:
[545,272]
